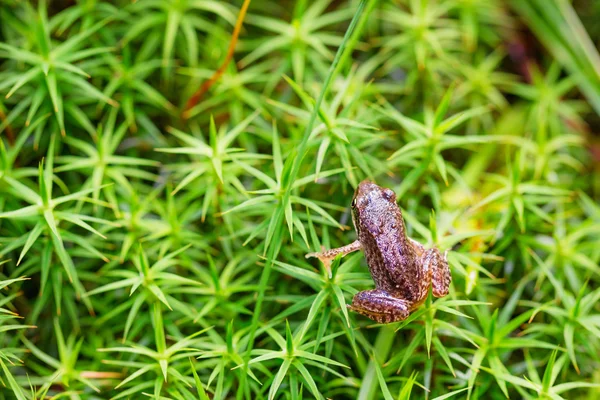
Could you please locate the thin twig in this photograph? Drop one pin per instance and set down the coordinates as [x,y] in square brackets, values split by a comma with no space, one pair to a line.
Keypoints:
[218,73]
[9,132]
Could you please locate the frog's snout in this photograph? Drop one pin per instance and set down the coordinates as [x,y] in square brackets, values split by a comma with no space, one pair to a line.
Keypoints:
[365,187]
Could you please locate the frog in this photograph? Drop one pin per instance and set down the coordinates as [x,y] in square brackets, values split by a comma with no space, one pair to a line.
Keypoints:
[402,269]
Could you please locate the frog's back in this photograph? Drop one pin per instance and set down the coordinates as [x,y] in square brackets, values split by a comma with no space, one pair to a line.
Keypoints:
[392,260]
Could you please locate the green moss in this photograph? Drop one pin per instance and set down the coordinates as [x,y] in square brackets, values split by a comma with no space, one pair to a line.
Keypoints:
[147,254]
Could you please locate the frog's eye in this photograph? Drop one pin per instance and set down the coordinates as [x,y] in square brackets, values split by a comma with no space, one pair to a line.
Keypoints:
[353,203]
[389,195]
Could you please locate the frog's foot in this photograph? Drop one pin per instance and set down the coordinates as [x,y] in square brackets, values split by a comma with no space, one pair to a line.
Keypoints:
[437,265]
[327,256]
[378,305]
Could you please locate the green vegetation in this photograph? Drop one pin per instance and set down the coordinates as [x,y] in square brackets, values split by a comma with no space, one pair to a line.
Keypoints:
[147,250]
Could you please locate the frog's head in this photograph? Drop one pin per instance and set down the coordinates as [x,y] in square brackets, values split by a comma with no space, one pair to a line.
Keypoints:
[368,198]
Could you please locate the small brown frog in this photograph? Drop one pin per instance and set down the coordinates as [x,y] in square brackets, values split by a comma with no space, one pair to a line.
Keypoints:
[402,269]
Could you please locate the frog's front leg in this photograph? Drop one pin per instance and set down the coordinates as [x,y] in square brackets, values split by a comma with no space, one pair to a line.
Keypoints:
[378,305]
[436,266]
[327,256]
[419,248]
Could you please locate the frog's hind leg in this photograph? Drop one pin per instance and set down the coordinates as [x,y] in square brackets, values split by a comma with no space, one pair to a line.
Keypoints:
[378,305]
[436,266]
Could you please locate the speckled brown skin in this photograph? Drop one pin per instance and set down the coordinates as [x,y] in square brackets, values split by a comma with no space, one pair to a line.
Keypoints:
[402,269]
